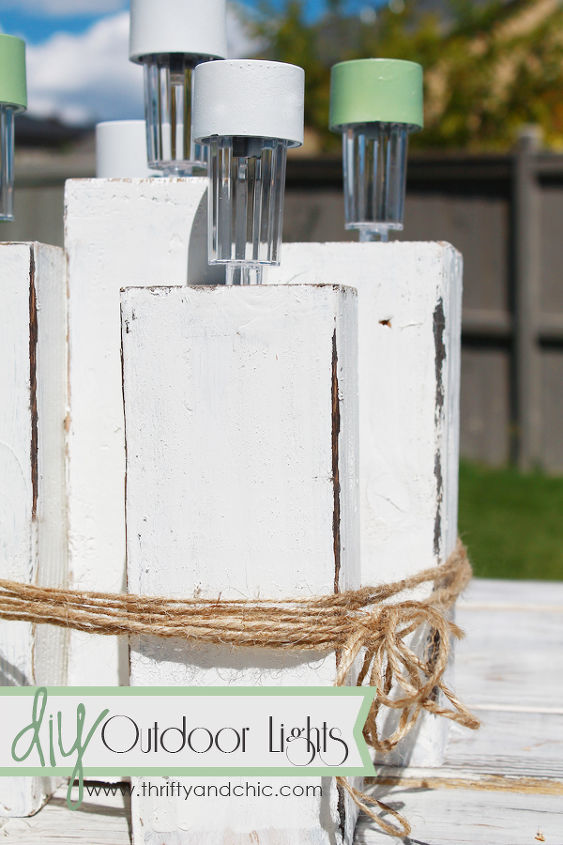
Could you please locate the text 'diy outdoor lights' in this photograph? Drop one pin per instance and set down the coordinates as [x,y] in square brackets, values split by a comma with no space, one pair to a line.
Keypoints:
[375,103]
[249,112]
[13,98]
[169,39]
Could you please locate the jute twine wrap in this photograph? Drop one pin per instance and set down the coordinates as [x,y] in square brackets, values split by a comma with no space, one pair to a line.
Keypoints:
[363,627]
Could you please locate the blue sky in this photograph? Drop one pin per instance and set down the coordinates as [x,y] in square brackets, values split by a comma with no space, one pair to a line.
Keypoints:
[36,20]
[77,62]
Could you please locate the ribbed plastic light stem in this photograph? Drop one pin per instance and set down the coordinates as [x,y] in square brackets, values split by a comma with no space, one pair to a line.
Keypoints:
[7,163]
[247,185]
[168,114]
[375,168]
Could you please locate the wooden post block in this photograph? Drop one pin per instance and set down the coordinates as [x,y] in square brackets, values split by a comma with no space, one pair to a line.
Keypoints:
[32,501]
[241,429]
[117,232]
[409,317]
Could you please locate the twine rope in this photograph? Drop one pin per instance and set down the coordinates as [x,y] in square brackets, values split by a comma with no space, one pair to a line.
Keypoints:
[362,626]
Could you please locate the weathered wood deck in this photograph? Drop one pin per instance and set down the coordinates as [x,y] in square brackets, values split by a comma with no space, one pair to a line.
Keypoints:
[500,786]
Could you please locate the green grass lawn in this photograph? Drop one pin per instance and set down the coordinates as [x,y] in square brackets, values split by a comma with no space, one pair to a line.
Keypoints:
[512,523]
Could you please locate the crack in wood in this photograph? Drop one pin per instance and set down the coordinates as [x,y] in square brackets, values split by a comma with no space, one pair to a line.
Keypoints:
[439,327]
[33,384]
[335,465]
[336,424]
[495,783]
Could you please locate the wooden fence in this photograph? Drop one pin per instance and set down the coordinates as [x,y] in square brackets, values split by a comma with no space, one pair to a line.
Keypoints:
[503,212]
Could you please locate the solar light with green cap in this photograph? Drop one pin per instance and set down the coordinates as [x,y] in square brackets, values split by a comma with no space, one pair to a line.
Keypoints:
[13,98]
[375,104]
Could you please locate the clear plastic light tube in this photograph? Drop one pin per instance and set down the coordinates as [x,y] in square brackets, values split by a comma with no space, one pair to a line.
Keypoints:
[249,112]
[168,106]
[13,98]
[374,159]
[375,104]
[7,166]
[170,38]
[247,176]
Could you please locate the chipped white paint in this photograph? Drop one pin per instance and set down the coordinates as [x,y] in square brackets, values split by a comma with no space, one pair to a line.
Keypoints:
[32,505]
[409,359]
[118,232]
[230,491]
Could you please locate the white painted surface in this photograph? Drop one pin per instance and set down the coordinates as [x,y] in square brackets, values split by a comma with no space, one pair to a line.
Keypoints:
[32,504]
[178,26]
[228,400]
[118,232]
[121,149]
[470,816]
[249,97]
[503,784]
[409,312]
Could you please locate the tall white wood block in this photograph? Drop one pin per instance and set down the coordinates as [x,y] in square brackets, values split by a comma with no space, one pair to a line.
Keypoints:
[241,424]
[409,316]
[32,501]
[117,232]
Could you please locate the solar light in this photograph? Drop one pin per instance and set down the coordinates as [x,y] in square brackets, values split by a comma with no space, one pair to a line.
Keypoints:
[169,38]
[375,104]
[13,98]
[249,112]
[121,149]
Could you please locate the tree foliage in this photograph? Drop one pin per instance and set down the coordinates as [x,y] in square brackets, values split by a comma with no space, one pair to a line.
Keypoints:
[489,67]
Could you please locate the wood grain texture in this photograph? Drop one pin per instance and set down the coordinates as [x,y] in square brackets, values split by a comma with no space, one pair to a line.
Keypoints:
[102,820]
[32,501]
[409,362]
[117,232]
[470,817]
[241,431]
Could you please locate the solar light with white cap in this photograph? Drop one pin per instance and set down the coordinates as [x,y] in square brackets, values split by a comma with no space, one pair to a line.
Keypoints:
[121,150]
[13,98]
[375,104]
[169,38]
[249,112]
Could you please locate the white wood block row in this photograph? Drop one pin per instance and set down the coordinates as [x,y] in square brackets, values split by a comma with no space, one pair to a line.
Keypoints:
[117,232]
[32,502]
[409,314]
[232,451]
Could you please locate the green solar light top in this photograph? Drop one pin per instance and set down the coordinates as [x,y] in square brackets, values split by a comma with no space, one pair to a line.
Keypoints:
[376,91]
[13,89]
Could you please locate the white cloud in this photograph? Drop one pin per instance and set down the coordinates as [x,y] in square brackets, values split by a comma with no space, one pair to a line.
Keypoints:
[56,8]
[87,77]
[241,43]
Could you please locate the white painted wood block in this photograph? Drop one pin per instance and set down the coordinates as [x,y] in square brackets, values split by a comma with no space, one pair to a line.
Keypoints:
[117,232]
[409,363]
[237,472]
[32,500]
